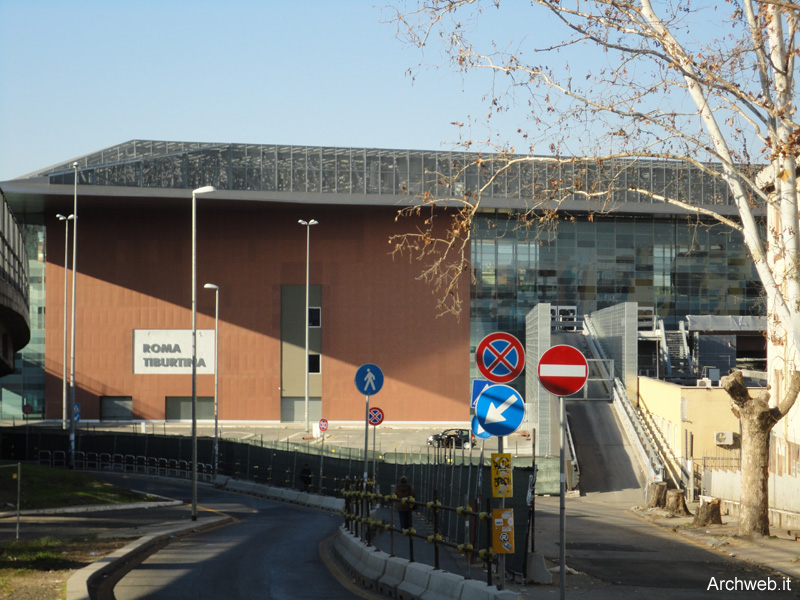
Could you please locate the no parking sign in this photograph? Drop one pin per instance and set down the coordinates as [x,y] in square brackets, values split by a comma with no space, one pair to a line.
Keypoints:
[375,416]
[500,357]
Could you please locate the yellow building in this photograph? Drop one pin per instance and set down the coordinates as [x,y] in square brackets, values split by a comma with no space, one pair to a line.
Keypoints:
[693,427]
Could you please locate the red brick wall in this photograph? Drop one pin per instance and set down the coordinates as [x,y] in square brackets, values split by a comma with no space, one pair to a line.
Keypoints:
[134,272]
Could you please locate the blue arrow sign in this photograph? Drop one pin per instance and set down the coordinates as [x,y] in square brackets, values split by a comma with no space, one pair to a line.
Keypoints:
[500,410]
[369,379]
[478,385]
[479,431]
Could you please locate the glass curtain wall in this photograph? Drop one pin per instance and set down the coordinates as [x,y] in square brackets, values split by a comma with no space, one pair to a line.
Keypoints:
[26,383]
[673,265]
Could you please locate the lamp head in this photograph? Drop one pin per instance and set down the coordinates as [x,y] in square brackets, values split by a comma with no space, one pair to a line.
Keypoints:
[211,286]
[308,223]
[206,189]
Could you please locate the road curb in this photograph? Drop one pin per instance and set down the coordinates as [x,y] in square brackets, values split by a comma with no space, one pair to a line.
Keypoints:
[81,581]
[89,508]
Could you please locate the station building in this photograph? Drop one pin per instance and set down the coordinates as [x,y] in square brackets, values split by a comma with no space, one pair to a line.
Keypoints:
[15,321]
[134,256]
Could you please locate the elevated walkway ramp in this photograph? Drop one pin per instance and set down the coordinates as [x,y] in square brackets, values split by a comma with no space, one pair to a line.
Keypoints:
[606,438]
[605,458]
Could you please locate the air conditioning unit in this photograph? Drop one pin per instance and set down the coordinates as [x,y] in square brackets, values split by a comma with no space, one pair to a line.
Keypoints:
[723,438]
[704,382]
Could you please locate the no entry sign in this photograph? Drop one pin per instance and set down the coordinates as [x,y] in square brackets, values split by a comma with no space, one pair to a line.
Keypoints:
[500,357]
[563,370]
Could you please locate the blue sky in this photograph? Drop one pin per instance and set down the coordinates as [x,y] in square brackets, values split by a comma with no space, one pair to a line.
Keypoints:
[79,76]
[84,75]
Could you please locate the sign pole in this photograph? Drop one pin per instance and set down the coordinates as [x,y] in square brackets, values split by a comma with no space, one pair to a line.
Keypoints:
[563,371]
[501,565]
[374,462]
[323,427]
[366,446]
[364,503]
[321,461]
[533,494]
[562,505]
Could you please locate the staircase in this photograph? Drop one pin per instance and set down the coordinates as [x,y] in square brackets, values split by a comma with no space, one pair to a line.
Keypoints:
[679,358]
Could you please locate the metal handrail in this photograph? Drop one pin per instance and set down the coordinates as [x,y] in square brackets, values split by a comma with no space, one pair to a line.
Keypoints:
[663,347]
[642,438]
[685,345]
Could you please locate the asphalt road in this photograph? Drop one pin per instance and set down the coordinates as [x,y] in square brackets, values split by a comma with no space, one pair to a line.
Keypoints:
[619,553]
[272,550]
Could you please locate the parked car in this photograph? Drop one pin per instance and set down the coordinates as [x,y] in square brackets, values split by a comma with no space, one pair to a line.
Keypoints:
[452,438]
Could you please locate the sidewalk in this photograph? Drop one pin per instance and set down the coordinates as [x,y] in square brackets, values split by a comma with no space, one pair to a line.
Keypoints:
[779,551]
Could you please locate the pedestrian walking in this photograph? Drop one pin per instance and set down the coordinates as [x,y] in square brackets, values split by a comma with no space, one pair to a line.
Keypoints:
[403,489]
[305,477]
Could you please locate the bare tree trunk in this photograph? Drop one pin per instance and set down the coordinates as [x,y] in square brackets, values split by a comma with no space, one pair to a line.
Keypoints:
[757,419]
[754,501]
[708,514]
[676,503]
[657,495]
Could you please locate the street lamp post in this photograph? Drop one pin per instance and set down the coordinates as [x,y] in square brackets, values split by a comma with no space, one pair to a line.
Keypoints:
[71,408]
[207,189]
[64,417]
[211,286]
[307,225]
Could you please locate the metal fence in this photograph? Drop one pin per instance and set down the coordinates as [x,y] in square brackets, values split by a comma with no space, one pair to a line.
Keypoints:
[454,477]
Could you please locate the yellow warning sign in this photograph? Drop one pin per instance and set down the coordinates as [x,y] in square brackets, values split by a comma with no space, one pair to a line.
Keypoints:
[502,484]
[503,530]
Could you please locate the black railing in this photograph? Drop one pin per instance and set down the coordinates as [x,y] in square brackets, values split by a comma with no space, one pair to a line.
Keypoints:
[358,521]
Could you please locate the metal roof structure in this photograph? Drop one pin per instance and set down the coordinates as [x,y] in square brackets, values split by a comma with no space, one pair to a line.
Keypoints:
[370,176]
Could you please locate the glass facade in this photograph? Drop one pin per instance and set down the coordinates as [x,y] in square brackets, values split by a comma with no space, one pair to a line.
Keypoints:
[584,264]
[310,169]
[22,258]
[26,384]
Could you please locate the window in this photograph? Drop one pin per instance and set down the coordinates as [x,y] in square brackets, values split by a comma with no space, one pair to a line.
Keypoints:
[314,316]
[314,363]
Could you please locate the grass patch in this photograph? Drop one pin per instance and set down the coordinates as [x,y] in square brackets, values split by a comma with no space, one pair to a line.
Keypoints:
[44,487]
[38,569]
[44,554]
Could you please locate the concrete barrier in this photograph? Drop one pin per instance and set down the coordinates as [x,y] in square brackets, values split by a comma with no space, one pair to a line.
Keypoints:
[392,576]
[290,495]
[277,493]
[443,586]
[240,485]
[244,486]
[344,546]
[220,481]
[415,581]
[360,559]
[331,503]
[478,590]
[259,489]
[372,567]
